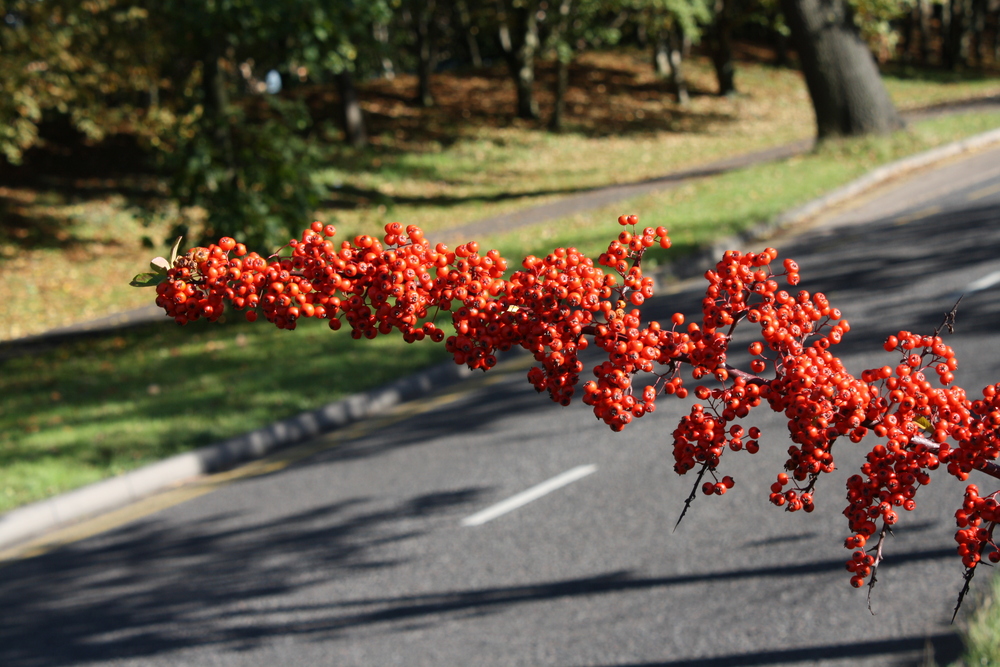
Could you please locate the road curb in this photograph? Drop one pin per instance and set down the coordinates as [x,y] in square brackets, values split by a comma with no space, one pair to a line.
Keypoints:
[706,258]
[24,523]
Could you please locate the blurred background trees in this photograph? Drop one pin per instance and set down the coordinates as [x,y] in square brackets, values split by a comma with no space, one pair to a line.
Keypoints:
[215,92]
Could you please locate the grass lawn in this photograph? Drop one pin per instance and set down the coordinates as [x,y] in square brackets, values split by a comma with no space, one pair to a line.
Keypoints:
[103,405]
[708,209]
[981,632]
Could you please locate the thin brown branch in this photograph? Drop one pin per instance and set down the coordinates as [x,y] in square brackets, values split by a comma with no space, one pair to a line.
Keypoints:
[986,467]
[878,560]
[692,495]
[970,572]
[949,318]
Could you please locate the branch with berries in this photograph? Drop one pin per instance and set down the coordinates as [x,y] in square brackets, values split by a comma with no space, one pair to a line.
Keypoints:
[559,305]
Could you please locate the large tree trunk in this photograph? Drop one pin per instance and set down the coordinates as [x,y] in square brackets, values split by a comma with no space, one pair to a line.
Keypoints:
[352,119]
[520,44]
[847,93]
[720,40]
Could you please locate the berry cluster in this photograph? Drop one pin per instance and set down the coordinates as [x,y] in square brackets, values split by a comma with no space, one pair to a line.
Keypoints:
[556,306]
[977,520]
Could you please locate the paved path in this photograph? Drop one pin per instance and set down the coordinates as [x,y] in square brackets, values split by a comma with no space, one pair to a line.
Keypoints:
[361,548]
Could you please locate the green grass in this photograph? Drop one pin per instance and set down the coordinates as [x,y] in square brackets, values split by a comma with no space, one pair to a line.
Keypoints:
[703,211]
[981,633]
[98,407]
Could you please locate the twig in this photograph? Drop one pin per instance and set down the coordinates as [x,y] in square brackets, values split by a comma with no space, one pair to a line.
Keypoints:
[878,559]
[692,496]
[970,572]
[949,318]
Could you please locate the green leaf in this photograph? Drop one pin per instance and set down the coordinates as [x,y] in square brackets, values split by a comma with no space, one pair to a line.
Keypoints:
[148,279]
[175,249]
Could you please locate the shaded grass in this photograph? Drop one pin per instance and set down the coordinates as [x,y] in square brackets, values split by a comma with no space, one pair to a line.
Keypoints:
[98,407]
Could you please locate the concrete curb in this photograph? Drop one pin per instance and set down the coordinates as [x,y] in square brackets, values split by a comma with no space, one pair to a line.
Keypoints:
[29,521]
[22,524]
[706,258]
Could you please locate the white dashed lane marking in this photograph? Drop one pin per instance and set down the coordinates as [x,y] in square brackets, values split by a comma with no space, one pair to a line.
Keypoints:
[525,497]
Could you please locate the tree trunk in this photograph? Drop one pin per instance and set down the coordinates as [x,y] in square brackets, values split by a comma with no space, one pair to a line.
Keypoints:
[680,47]
[907,30]
[562,83]
[471,43]
[924,8]
[381,33]
[564,56]
[424,23]
[965,36]
[661,55]
[216,94]
[780,40]
[977,50]
[952,31]
[352,119]
[996,39]
[720,40]
[522,39]
[843,81]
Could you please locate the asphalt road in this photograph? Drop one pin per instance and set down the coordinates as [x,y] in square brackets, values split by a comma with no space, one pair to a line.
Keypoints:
[361,553]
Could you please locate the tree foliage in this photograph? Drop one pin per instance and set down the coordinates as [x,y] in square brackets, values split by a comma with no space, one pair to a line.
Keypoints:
[185,76]
[94,62]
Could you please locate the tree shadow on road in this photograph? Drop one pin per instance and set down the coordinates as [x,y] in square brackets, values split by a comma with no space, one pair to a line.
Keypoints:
[945,648]
[886,258]
[152,589]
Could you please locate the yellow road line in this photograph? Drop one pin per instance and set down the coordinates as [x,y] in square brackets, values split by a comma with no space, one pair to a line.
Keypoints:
[984,192]
[919,215]
[269,464]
